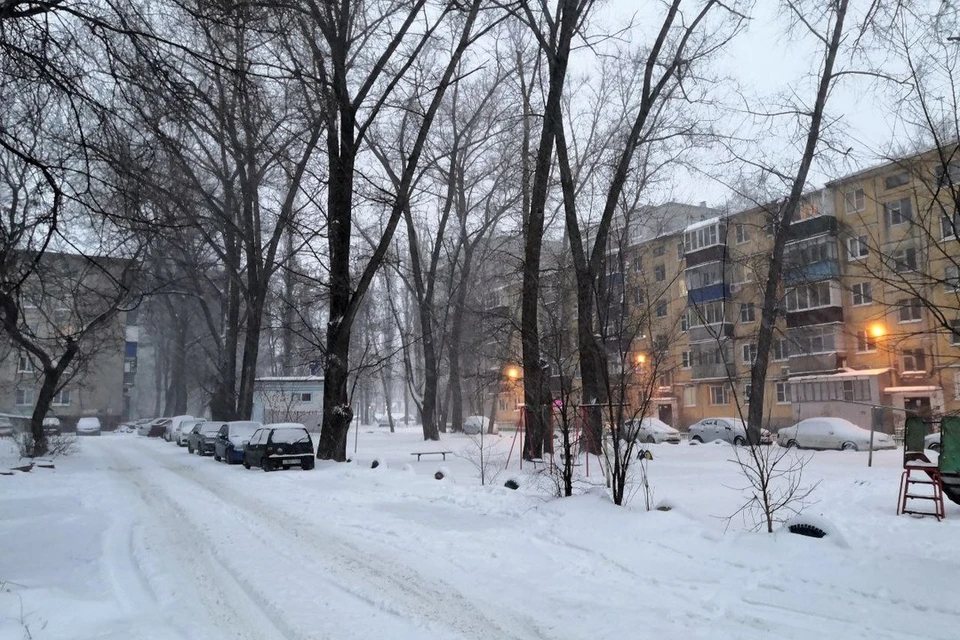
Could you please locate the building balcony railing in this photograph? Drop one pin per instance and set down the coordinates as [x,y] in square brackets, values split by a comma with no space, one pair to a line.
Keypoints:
[815,363]
[719,291]
[794,274]
[712,253]
[808,317]
[713,371]
[719,331]
[809,227]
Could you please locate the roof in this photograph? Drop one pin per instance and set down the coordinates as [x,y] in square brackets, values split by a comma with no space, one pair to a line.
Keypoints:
[289,379]
[702,223]
[846,374]
[927,389]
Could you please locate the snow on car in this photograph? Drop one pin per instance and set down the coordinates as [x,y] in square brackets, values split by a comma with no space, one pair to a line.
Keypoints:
[474,425]
[649,430]
[732,430]
[88,426]
[832,433]
[932,442]
[231,439]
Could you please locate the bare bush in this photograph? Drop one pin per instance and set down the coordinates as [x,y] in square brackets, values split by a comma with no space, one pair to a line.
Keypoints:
[58,445]
[774,488]
[487,464]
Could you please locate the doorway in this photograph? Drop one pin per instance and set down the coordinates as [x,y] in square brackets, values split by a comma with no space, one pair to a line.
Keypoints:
[665,413]
[918,406]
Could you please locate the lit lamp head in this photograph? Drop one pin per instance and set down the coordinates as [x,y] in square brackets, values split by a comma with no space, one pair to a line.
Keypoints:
[513,373]
[877,330]
[641,358]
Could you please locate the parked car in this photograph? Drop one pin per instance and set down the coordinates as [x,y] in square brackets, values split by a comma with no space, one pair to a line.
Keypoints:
[154,428]
[231,439]
[732,430]
[203,437]
[932,442]
[6,427]
[51,426]
[88,427]
[474,425]
[183,430]
[278,446]
[171,432]
[832,433]
[650,430]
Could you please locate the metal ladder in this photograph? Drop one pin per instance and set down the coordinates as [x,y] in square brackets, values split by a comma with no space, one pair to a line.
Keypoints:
[908,491]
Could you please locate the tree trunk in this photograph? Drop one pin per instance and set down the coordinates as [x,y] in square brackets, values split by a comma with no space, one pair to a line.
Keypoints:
[248,366]
[51,380]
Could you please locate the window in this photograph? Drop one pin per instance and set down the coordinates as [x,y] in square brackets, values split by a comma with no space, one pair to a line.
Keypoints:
[810,296]
[914,360]
[747,390]
[905,259]
[659,273]
[708,313]
[61,398]
[24,397]
[679,251]
[910,310]
[896,180]
[848,393]
[814,340]
[25,365]
[638,296]
[719,394]
[950,226]
[854,201]
[780,350]
[658,251]
[684,322]
[743,234]
[661,309]
[783,393]
[866,342]
[862,294]
[899,212]
[749,353]
[955,332]
[747,312]
[701,238]
[133,317]
[689,396]
[638,263]
[665,379]
[661,342]
[951,279]
[305,397]
[686,359]
[857,248]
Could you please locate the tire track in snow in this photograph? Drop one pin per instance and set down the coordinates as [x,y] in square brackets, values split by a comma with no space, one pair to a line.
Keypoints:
[357,569]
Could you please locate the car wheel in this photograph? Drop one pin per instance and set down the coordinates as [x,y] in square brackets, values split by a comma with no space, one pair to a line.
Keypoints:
[265,465]
[189,448]
[792,444]
[308,464]
[935,447]
[246,465]
[697,439]
[738,441]
[848,446]
[216,457]
[651,440]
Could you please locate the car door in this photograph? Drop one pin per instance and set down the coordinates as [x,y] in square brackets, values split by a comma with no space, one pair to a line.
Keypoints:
[724,430]
[810,434]
[219,446]
[709,430]
[257,446]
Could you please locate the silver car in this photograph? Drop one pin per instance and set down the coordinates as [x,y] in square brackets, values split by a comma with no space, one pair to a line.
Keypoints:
[832,433]
[732,430]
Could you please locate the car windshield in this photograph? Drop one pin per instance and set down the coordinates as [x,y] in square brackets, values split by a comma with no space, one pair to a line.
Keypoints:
[242,430]
[210,427]
[289,435]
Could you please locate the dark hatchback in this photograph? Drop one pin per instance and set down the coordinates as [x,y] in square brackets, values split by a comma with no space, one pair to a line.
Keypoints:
[279,446]
[231,439]
[203,438]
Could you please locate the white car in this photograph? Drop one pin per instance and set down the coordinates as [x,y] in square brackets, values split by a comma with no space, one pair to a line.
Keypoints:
[732,430]
[171,433]
[932,442]
[474,425]
[832,433]
[183,429]
[88,427]
[649,430]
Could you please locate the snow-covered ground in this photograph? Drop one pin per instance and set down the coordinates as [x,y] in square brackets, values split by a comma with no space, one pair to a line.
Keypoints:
[134,538]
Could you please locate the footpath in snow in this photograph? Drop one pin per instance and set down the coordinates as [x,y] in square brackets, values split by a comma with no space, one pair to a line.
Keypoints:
[133,538]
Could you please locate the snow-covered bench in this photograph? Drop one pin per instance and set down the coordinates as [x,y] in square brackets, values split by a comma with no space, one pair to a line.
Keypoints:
[431,453]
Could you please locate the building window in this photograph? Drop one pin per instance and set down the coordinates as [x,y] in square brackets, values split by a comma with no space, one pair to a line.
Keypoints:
[638,296]
[857,248]
[659,273]
[666,379]
[783,393]
[848,392]
[638,263]
[61,398]
[905,259]
[899,212]
[679,251]
[709,313]
[813,340]
[914,360]
[686,359]
[896,180]
[24,397]
[719,394]
[303,397]
[749,353]
[862,294]
[866,342]
[701,238]
[949,226]
[25,365]
[689,396]
[955,332]
[661,309]
[910,310]
[854,201]
[951,279]
[658,251]
[810,296]
[684,322]
[661,343]
[781,350]
[747,312]
[133,316]
[743,234]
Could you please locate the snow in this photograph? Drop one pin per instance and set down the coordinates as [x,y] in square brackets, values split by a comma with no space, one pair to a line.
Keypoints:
[702,223]
[133,538]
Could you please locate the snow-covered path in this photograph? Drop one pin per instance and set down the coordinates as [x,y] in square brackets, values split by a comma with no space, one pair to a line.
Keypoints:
[134,538]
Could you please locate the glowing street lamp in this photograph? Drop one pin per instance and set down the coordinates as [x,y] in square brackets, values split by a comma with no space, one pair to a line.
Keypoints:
[513,373]
[641,358]
[877,330]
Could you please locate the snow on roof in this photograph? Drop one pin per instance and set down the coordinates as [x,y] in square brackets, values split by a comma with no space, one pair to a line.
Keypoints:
[290,379]
[848,373]
[927,389]
[702,223]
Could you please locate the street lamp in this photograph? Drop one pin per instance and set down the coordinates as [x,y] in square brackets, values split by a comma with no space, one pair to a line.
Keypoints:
[513,373]
[641,358]
[877,330]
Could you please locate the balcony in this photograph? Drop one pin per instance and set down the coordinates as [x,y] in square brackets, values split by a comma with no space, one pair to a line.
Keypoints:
[713,371]
[719,291]
[713,253]
[816,348]
[815,363]
[813,226]
[794,274]
[824,315]
[700,333]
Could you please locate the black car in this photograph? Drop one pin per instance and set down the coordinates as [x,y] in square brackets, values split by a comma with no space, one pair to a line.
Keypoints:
[230,440]
[203,438]
[278,446]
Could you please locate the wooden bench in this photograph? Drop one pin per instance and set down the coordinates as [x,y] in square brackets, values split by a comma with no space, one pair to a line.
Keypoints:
[431,453]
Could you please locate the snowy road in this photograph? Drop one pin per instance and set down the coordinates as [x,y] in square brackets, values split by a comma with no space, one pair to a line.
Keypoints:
[134,538]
